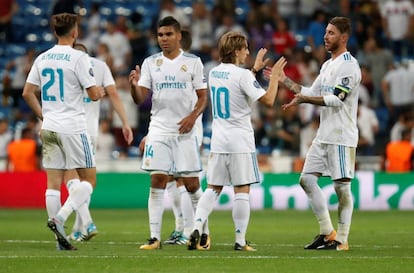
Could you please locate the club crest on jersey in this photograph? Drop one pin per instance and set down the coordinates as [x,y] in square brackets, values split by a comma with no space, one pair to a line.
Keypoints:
[159,62]
[91,72]
[345,81]
[256,84]
[184,68]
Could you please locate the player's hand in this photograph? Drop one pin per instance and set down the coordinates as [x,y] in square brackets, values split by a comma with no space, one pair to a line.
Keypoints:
[277,69]
[134,75]
[128,135]
[101,91]
[296,100]
[186,124]
[260,62]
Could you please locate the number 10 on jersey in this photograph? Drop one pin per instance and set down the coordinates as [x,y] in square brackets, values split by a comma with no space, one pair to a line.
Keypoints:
[220,102]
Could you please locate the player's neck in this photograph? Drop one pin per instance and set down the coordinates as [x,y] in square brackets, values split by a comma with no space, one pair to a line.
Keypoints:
[338,52]
[172,54]
[65,41]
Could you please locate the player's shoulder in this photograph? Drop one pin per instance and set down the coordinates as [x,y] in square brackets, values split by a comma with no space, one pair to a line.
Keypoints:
[346,59]
[97,62]
[190,55]
[154,56]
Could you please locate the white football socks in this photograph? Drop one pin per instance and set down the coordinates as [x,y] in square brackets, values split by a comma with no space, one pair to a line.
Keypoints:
[155,211]
[175,198]
[241,216]
[345,209]
[318,202]
[53,203]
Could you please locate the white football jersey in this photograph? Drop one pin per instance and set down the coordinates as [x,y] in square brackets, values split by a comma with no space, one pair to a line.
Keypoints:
[104,78]
[173,83]
[62,73]
[338,125]
[232,89]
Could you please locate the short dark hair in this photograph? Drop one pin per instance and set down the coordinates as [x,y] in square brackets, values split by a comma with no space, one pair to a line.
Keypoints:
[80,47]
[63,23]
[170,21]
[343,24]
[186,40]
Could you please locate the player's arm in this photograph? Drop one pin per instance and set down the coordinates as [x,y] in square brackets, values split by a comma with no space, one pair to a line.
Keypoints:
[187,123]
[120,110]
[269,97]
[260,61]
[95,92]
[29,95]
[138,93]
[333,100]
[289,83]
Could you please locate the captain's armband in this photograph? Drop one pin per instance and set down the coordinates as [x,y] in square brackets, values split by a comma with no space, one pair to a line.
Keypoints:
[341,92]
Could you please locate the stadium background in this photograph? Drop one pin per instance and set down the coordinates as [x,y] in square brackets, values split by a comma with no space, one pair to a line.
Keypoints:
[373,189]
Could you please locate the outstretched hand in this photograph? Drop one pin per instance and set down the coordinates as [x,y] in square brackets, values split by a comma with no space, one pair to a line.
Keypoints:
[268,70]
[260,62]
[296,100]
[277,69]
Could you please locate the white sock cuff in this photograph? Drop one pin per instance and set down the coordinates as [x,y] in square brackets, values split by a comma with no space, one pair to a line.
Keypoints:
[212,192]
[171,184]
[71,183]
[157,191]
[182,189]
[87,186]
[52,192]
[242,196]
[197,194]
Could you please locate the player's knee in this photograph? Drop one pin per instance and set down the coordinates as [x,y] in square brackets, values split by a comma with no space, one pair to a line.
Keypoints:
[343,191]
[307,181]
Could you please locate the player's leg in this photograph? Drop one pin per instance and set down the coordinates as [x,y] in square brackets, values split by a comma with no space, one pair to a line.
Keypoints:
[79,158]
[217,176]
[156,209]
[157,158]
[54,163]
[241,181]
[342,164]
[189,189]
[175,198]
[315,165]
[87,226]
[204,208]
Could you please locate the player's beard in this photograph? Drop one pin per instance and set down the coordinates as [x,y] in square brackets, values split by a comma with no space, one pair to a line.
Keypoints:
[332,47]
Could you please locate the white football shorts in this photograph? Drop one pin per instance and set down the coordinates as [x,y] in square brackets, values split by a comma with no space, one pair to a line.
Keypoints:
[232,169]
[66,152]
[175,155]
[332,160]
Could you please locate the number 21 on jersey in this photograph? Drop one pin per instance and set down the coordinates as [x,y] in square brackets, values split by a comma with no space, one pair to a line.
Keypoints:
[51,81]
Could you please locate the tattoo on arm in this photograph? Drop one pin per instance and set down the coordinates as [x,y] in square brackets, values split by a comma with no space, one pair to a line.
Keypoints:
[292,85]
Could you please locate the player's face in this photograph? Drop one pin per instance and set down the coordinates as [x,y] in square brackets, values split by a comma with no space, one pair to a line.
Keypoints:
[168,39]
[332,38]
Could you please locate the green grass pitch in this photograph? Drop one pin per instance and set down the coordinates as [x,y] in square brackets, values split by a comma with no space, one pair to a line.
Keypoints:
[380,242]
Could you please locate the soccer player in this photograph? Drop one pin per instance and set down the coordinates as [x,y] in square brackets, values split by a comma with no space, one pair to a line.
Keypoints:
[103,76]
[171,145]
[177,193]
[233,158]
[333,150]
[61,73]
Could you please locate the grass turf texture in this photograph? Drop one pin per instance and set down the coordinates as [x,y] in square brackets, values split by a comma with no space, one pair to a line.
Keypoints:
[379,242]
